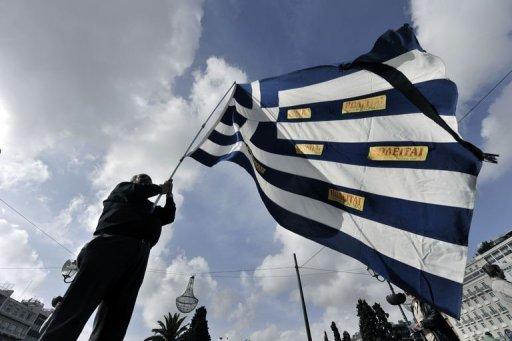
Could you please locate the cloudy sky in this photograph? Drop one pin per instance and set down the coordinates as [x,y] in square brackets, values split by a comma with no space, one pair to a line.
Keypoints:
[93,92]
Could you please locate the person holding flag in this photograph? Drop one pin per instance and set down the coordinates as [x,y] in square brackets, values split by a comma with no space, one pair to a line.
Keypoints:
[112,265]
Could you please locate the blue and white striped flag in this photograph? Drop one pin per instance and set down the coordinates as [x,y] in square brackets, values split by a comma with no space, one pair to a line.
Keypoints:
[365,159]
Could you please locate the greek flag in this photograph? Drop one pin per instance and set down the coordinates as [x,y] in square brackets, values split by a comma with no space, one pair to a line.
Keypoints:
[364,158]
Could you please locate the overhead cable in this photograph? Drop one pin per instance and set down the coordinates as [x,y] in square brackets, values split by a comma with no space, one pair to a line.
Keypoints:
[37,227]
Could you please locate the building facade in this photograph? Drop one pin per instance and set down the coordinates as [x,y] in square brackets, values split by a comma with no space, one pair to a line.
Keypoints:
[20,320]
[481,310]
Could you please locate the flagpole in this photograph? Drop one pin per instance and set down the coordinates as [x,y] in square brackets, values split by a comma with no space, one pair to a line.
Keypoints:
[304,311]
[194,140]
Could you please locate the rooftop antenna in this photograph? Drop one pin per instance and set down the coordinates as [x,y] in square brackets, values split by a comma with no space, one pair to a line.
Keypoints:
[187,302]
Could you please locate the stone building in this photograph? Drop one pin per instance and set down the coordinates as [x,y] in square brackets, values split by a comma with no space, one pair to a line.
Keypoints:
[481,309]
[20,320]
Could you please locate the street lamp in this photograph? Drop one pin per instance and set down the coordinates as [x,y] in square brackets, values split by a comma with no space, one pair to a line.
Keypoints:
[69,270]
[187,302]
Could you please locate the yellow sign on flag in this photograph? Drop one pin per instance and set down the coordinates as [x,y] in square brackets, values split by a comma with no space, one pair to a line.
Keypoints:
[347,199]
[398,153]
[259,167]
[309,149]
[364,104]
[298,113]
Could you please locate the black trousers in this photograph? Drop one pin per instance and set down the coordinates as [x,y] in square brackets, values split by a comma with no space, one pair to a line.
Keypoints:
[111,270]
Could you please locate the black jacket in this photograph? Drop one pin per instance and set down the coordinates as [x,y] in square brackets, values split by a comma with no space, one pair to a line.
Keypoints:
[127,212]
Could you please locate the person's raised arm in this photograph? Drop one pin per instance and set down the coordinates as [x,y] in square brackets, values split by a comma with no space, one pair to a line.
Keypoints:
[144,191]
[167,213]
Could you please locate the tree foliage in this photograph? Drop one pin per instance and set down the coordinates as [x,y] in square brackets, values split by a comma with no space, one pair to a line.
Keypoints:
[335,331]
[172,329]
[484,246]
[325,336]
[384,327]
[198,330]
[346,336]
[367,320]
[373,322]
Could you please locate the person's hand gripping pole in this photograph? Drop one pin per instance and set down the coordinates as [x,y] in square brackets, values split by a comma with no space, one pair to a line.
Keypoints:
[167,188]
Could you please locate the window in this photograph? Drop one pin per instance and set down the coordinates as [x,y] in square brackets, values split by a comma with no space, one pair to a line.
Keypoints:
[500,319]
[509,317]
[505,250]
[502,308]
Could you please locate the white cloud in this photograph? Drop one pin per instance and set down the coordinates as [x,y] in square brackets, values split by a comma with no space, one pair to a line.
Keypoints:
[19,172]
[66,216]
[91,86]
[475,41]
[16,167]
[91,214]
[158,141]
[70,73]
[472,38]
[18,253]
[89,89]
[209,86]
[67,226]
[496,133]
[336,294]
[159,291]
[222,302]
[272,332]
[269,333]
[245,313]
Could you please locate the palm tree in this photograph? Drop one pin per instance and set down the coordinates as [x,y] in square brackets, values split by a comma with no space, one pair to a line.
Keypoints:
[171,330]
